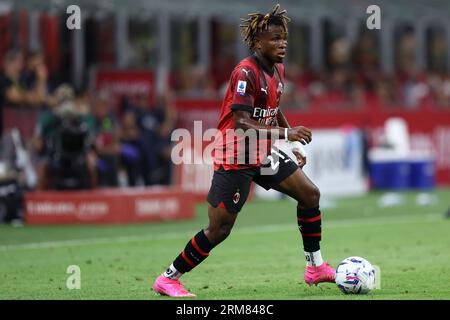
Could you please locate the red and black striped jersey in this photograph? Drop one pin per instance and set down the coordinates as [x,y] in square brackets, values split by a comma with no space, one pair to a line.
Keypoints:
[251,89]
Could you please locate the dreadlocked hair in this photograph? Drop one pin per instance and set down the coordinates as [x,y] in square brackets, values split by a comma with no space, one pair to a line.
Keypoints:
[258,23]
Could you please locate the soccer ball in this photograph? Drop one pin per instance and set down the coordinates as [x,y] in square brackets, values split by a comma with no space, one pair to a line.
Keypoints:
[355,275]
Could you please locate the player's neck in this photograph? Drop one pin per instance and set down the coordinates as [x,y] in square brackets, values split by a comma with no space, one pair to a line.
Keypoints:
[267,65]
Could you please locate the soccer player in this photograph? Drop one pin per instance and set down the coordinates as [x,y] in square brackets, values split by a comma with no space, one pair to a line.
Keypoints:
[252,104]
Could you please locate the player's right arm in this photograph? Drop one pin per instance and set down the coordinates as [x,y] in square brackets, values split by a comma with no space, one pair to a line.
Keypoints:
[243,120]
[243,88]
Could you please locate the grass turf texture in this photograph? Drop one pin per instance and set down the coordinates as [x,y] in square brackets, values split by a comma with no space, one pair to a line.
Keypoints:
[262,259]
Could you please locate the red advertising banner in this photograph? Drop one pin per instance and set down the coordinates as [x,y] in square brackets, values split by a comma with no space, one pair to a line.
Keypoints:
[109,206]
[195,110]
[120,83]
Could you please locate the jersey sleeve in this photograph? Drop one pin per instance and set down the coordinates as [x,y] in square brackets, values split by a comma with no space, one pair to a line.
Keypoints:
[243,84]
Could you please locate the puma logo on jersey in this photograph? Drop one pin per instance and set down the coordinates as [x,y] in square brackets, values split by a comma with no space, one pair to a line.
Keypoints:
[264,90]
[246,71]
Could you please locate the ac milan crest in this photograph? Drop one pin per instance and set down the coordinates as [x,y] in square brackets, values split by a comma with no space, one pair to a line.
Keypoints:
[236,197]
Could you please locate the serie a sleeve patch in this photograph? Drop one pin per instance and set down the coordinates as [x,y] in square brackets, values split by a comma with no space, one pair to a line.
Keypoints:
[241,86]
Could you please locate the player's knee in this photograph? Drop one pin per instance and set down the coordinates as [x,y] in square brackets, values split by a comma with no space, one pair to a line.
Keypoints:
[313,198]
[218,233]
[224,231]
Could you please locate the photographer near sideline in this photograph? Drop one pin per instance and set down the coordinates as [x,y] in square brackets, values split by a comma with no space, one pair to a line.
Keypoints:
[64,145]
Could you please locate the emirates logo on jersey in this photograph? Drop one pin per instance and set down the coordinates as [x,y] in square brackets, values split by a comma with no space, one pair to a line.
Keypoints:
[265,116]
[264,113]
[236,197]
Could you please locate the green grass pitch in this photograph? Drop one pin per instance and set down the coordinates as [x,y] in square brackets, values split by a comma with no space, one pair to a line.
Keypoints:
[262,259]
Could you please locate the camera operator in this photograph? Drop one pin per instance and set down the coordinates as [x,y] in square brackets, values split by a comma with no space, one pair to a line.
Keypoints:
[64,145]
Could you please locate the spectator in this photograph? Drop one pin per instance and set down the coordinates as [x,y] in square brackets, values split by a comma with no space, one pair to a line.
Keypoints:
[13,89]
[340,53]
[106,143]
[366,62]
[131,148]
[35,76]
[11,92]
[386,92]
[414,89]
[156,125]
[82,103]
[439,91]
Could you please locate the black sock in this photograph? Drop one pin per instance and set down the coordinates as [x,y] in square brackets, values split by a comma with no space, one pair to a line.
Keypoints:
[196,250]
[310,226]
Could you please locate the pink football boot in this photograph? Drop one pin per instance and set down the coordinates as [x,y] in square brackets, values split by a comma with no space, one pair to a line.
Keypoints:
[170,287]
[322,273]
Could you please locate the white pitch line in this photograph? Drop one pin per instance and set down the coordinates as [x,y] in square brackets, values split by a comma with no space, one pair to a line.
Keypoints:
[347,223]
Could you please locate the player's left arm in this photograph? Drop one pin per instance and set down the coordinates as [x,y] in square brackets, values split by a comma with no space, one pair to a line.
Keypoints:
[281,119]
[296,148]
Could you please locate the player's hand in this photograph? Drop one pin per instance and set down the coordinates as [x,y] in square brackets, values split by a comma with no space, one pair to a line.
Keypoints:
[300,159]
[301,134]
